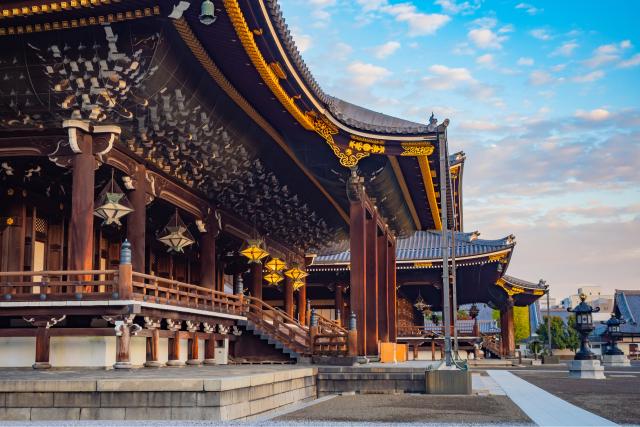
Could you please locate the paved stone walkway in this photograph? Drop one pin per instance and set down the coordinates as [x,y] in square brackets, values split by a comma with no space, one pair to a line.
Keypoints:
[542,407]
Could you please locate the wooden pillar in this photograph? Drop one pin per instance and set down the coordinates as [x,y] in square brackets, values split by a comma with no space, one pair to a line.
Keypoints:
[433,349]
[339,304]
[210,350]
[391,289]
[153,346]
[174,343]
[43,341]
[194,350]
[123,344]
[371,293]
[302,304]
[383,299]
[12,248]
[288,296]
[82,196]
[357,271]
[137,220]
[507,329]
[255,286]
[208,254]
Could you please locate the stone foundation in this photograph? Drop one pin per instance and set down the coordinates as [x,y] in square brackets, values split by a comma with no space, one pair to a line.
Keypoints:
[216,399]
[332,380]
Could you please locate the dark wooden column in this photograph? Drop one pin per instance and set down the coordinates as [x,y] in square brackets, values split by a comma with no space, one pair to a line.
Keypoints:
[137,220]
[208,253]
[371,294]
[339,304]
[507,328]
[12,249]
[82,195]
[288,296]
[43,341]
[255,286]
[383,300]
[174,343]
[391,289]
[357,275]
[302,304]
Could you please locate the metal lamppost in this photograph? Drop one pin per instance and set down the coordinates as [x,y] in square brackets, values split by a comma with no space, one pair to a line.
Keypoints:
[584,326]
[614,333]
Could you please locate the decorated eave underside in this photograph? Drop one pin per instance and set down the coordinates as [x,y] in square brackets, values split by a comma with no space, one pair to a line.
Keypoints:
[522,291]
[229,109]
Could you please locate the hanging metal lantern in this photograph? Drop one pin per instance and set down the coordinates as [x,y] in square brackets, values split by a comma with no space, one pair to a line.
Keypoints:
[420,305]
[275,264]
[296,274]
[176,235]
[112,204]
[272,278]
[297,284]
[255,250]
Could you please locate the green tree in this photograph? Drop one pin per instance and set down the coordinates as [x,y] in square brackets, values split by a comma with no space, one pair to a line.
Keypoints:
[562,335]
[520,322]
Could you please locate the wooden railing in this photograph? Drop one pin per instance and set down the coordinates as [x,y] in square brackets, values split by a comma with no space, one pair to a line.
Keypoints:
[278,324]
[493,345]
[58,285]
[330,345]
[167,291]
[417,331]
[328,326]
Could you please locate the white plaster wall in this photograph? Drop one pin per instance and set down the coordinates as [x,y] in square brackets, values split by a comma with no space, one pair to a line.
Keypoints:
[163,351]
[138,351]
[83,351]
[201,344]
[184,350]
[16,352]
[222,353]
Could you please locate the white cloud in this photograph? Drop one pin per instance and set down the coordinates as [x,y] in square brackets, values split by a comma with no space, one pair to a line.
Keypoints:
[452,7]
[363,74]
[525,61]
[485,61]
[445,78]
[386,49]
[463,49]
[303,41]
[485,38]
[530,9]
[589,77]
[509,28]
[541,77]
[320,13]
[607,53]
[342,51]
[420,24]
[631,62]
[596,115]
[477,125]
[565,49]
[541,34]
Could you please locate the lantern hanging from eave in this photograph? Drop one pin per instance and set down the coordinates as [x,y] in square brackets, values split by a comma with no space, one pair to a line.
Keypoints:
[255,250]
[275,264]
[176,235]
[272,278]
[296,274]
[420,305]
[297,284]
[112,204]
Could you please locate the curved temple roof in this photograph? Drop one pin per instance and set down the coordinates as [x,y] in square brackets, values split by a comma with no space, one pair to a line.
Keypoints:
[426,245]
[513,281]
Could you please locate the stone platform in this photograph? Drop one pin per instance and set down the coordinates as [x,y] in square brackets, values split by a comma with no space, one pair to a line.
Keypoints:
[189,393]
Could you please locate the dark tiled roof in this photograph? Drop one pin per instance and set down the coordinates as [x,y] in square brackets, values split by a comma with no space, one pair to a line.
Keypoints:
[425,245]
[627,303]
[347,113]
[523,283]
[457,158]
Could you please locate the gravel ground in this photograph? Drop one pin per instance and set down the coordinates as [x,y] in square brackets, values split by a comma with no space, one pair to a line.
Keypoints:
[617,398]
[409,408]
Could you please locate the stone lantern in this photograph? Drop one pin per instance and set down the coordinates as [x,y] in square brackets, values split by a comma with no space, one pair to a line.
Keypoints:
[585,363]
[614,356]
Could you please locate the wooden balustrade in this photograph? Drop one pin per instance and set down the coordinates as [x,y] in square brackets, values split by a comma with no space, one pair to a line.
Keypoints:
[167,291]
[58,285]
[330,345]
[328,326]
[278,324]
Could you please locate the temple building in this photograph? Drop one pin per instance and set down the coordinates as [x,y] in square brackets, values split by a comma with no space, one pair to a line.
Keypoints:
[177,188]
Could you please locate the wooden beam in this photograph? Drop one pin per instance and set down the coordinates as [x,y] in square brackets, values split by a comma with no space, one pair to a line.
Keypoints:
[405,191]
[425,171]
[357,273]
[82,195]
[371,284]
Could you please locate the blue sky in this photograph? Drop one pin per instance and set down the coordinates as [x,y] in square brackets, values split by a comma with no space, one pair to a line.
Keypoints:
[543,97]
